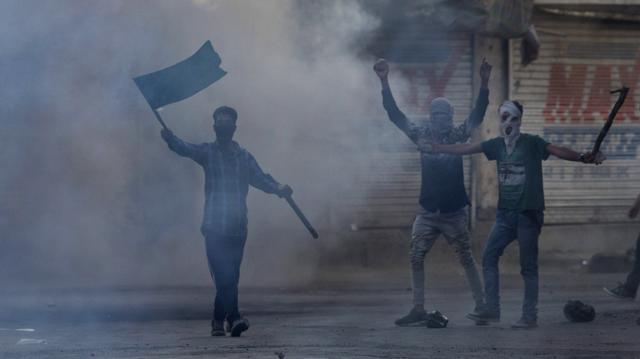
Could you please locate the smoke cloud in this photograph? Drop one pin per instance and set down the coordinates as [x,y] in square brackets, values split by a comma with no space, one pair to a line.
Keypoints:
[90,193]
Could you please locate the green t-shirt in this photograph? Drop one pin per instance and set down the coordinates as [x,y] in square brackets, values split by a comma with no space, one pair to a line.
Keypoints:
[519,174]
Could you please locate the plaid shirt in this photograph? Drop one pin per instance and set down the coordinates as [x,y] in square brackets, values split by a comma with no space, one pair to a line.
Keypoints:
[227,176]
[442,187]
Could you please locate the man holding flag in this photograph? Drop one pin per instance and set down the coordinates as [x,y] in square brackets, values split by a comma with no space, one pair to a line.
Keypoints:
[229,170]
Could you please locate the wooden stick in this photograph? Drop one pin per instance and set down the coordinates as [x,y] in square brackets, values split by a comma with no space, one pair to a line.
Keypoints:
[302,217]
[605,129]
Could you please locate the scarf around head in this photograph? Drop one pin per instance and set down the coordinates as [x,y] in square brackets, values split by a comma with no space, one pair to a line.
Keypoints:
[441,125]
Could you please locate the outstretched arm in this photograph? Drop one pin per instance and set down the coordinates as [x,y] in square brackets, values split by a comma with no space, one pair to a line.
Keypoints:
[264,181]
[571,155]
[455,149]
[396,116]
[184,149]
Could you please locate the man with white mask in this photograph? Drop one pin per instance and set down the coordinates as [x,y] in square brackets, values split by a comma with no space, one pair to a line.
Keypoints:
[510,116]
[520,215]
[443,197]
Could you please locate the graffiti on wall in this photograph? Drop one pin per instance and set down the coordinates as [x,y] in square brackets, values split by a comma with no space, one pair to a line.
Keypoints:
[577,104]
[574,97]
[427,81]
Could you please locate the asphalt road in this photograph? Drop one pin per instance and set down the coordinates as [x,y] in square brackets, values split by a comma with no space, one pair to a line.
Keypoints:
[330,319]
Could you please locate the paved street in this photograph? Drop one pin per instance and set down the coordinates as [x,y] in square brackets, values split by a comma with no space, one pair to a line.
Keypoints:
[348,318]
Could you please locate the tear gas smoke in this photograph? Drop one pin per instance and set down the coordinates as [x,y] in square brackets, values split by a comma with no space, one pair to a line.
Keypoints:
[90,192]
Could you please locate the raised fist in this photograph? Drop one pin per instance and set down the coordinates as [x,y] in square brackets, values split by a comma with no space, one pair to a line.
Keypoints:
[381,67]
[485,71]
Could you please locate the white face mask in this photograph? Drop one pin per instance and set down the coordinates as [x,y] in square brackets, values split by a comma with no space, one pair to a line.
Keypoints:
[510,121]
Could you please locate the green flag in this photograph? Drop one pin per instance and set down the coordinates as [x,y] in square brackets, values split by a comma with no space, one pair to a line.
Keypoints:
[182,80]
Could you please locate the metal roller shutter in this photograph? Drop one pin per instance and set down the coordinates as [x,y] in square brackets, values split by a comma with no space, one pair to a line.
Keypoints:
[565,94]
[431,67]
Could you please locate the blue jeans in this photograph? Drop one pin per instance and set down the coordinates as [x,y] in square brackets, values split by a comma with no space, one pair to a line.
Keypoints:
[511,225]
[224,254]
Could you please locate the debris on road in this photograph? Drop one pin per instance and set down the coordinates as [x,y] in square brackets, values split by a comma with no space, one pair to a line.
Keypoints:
[578,312]
[435,319]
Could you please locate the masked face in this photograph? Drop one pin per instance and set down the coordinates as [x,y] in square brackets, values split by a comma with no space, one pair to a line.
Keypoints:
[224,126]
[510,121]
[441,116]
[509,125]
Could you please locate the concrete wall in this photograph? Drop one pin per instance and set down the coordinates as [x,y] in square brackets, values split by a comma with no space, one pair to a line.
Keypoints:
[485,189]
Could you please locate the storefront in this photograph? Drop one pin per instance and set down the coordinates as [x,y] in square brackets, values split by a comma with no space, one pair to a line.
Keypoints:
[566,98]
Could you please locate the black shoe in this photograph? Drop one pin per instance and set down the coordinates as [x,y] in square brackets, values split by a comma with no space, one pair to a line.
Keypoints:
[619,292]
[238,326]
[483,316]
[525,324]
[479,308]
[217,328]
[416,317]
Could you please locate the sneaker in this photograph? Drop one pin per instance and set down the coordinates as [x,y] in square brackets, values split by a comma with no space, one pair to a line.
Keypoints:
[479,307]
[484,317]
[525,324]
[238,326]
[217,328]
[416,317]
[619,292]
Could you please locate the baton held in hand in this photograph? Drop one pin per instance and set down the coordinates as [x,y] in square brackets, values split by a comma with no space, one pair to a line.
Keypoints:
[302,217]
[624,91]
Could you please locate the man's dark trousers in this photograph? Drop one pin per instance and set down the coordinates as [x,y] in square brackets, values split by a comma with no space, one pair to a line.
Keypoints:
[633,280]
[224,254]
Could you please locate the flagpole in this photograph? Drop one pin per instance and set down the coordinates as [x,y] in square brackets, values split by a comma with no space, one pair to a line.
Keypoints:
[155,112]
